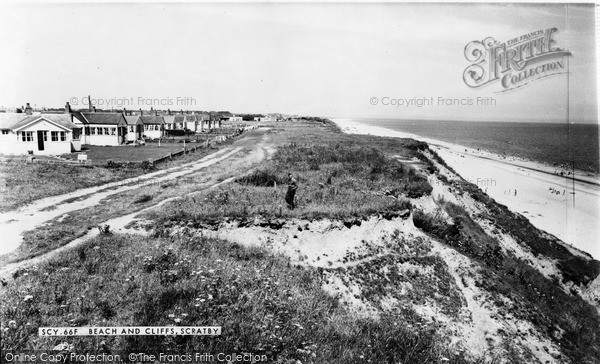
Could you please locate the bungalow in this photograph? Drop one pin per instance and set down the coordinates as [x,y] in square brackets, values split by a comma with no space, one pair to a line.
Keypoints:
[267,118]
[38,134]
[154,126]
[135,127]
[174,122]
[215,121]
[203,121]
[191,123]
[235,119]
[102,128]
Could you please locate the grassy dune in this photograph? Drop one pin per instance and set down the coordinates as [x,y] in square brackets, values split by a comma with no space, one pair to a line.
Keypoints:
[346,178]
[264,305]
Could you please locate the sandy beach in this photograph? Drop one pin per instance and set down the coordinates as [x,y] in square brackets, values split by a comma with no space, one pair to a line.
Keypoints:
[556,204]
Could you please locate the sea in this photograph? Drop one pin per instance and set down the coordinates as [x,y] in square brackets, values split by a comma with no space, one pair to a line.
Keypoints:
[564,146]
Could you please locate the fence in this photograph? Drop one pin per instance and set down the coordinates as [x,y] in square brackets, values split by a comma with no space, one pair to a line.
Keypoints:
[218,139]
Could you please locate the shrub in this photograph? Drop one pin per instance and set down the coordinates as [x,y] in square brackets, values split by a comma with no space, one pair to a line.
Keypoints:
[261,178]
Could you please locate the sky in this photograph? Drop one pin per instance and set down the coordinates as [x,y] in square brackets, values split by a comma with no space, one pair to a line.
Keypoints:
[333,60]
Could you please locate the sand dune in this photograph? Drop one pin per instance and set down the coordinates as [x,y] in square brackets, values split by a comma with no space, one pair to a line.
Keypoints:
[556,204]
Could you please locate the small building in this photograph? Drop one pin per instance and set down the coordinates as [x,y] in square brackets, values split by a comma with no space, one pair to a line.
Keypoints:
[154,126]
[235,119]
[135,127]
[203,121]
[102,128]
[174,122]
[44,134]
[215,121]
[191,123]
[267,118]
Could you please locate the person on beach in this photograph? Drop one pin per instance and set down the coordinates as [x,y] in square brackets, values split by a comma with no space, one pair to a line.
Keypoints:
[291,192]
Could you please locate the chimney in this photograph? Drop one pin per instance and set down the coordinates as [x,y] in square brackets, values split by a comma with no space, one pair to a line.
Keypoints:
[169,111]
[28,109]
[67,108]
[89,103]
[94,108]
[124,111]
[141,112]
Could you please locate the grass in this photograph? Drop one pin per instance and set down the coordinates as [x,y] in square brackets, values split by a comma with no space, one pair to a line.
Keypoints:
[264,305]
[22,183]
[337,179]
[100,155]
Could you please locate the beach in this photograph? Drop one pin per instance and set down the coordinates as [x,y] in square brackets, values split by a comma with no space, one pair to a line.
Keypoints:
[560,205]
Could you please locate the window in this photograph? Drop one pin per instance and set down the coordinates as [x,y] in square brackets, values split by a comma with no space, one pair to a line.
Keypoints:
[87,130]
[76,134]
[27,136]
[45,133]
[100,131]
[54,136]
[93,131]
[113,131]
[5,132]
[63,136]
[106,132]
[131,128]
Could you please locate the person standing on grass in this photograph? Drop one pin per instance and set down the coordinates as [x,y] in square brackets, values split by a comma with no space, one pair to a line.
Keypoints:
[291,191]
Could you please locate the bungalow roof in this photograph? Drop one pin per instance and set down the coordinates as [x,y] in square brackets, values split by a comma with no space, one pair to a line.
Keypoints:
[15,121]
[103,118]
[152,119]
[132,119]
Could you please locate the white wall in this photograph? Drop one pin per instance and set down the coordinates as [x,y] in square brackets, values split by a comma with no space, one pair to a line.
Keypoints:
[153,133]
[95,139]
[13,143]
[191,125]
[135,134]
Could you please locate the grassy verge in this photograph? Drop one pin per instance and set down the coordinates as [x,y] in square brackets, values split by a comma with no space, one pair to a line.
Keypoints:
[264,305]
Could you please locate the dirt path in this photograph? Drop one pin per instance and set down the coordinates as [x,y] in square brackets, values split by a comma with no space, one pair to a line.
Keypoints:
[14,223]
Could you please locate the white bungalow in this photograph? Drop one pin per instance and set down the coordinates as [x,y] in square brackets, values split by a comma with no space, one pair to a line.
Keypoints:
[174,122]
[191,123]
[154,126]
[45,134]
[102,128]
[135,127]
[203,121]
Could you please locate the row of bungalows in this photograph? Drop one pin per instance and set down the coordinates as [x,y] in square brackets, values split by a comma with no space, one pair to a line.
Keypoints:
[191,122]
[61,133]
[43,134]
